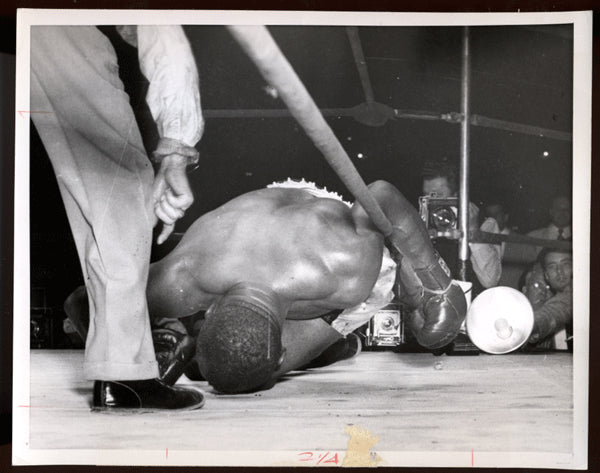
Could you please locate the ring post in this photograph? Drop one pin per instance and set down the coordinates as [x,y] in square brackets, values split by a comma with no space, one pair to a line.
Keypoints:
[463,193]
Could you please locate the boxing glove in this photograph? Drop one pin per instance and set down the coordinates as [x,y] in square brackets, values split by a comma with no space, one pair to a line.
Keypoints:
[444,314]
[173,352]
[439,305]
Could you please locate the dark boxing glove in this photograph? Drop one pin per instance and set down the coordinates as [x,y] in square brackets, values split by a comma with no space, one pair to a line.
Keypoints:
[174,351]
[426,281]
[439,306]
[444,314]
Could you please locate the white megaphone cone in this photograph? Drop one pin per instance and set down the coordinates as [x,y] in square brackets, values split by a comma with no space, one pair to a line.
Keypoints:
[499,320]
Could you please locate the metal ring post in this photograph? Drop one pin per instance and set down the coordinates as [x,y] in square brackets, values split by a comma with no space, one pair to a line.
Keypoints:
[463,193]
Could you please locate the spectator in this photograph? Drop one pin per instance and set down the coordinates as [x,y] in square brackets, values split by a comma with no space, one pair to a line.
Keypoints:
[551,299]
[439,179]
[498,213]
[511,271]
[559,227]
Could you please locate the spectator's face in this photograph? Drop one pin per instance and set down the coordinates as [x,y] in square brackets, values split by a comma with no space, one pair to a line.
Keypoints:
[497,213]
[558,269]
[560,212]
[438,186]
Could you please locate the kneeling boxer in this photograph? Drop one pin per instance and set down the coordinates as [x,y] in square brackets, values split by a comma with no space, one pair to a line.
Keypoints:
[270,267]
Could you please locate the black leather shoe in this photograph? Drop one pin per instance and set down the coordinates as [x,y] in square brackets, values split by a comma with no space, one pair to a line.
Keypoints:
[145,394]
[174,351]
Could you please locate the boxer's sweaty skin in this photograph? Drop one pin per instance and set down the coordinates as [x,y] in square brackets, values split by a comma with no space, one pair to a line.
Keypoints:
[315,253]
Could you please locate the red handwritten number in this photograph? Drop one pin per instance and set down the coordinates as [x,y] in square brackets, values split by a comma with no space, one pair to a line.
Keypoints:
[308,456]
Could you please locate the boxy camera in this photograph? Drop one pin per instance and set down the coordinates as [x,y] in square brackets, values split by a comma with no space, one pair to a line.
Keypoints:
[440,216]
[385,328]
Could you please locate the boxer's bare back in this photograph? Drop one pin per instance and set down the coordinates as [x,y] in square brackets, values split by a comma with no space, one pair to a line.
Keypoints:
[315,253]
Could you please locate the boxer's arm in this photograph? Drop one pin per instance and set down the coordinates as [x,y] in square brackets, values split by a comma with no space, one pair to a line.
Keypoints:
[303,341]
[172,291]
[443,303]
[410,234]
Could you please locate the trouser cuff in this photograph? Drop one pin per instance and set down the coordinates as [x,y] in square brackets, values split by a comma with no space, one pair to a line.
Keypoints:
[110,371]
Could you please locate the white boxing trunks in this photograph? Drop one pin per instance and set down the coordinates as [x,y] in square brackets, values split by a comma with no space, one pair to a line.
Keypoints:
[381,295]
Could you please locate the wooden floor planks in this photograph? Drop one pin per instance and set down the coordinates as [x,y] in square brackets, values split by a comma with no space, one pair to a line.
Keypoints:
[413,402]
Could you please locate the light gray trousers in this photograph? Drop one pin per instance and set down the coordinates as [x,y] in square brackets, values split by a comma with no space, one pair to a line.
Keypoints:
[89,131]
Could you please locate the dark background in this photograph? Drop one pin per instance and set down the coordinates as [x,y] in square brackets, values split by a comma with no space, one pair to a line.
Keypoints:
[519,73]
[7,32]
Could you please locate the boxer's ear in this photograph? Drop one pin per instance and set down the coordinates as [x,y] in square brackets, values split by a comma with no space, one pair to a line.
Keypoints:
[281,358]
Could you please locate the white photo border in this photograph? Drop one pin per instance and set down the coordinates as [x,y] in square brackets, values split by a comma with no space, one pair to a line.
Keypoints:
[581,152]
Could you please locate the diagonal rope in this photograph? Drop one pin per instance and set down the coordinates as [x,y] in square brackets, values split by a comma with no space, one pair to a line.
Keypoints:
[277,71]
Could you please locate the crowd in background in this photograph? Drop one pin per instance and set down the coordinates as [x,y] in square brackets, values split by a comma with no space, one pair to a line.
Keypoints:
[543,274]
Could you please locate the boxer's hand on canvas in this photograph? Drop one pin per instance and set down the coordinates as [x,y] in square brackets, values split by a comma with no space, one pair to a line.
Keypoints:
[172,193]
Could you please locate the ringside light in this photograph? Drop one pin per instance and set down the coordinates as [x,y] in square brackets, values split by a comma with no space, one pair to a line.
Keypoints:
[499,320]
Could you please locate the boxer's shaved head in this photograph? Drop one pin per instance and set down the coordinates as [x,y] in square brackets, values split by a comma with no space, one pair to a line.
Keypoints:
[239,345]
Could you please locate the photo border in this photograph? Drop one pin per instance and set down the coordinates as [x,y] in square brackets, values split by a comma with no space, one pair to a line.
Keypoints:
[581,152]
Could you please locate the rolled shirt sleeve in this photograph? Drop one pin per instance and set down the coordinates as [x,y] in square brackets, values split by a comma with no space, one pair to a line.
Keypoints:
[173,96]
[486,259]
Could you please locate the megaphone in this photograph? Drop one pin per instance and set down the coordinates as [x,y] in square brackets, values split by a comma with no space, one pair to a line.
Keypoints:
[499,320]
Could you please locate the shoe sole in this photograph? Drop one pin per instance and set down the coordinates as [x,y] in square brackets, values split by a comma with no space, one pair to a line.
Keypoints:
[144,410]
